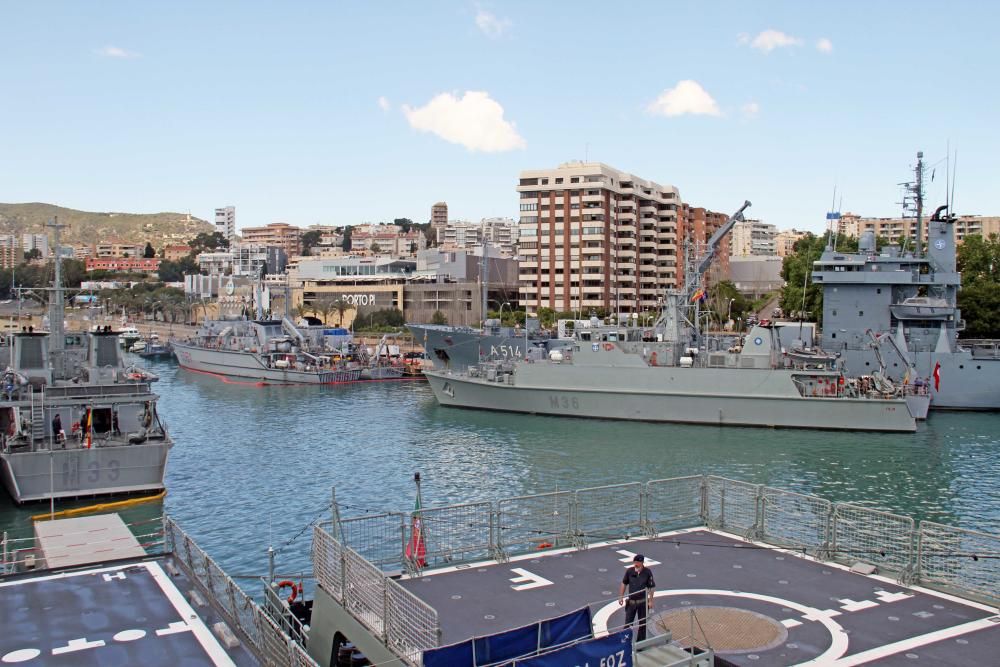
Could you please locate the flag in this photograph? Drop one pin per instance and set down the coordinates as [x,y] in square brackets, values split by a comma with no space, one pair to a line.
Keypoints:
[699,295]
[416,548]
[937,376]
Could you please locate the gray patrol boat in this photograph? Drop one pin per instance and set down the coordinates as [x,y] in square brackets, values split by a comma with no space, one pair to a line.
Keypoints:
[75,420]
[671,373]
[909,298]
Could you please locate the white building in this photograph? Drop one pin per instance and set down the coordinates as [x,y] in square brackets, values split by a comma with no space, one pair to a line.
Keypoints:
[753,238]
[463,235]
[225,222]
[38,242]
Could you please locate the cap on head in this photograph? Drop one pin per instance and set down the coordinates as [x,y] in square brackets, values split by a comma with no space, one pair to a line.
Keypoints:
[639,558]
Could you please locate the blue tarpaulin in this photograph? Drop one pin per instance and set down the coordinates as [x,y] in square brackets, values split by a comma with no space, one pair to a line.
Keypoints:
[611,651]
[510,644]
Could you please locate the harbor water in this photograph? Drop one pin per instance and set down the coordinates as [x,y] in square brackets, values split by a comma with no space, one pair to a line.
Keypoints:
[255,465]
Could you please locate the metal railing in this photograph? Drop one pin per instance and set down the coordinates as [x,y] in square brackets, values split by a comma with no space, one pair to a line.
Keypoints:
[251,624]
[355,572]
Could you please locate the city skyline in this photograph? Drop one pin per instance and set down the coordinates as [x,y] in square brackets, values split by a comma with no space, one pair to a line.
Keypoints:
[337,115]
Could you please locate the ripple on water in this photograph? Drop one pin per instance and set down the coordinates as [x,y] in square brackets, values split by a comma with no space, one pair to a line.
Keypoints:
[253,466]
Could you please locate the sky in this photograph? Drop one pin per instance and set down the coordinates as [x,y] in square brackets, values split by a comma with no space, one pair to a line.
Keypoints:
[348,112]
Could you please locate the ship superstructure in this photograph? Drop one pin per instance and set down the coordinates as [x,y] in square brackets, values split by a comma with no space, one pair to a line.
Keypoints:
[913,297]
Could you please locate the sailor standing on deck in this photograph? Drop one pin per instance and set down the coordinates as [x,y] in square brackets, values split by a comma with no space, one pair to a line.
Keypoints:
[640,583]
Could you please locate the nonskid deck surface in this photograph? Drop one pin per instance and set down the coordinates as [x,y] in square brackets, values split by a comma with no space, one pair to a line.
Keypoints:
[127,614]
[814,610]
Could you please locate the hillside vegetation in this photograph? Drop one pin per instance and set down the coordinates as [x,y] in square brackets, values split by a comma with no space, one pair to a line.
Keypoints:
[88,227]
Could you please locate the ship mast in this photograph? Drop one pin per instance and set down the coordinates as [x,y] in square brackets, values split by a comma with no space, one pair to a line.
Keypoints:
[913,203]
[57,307]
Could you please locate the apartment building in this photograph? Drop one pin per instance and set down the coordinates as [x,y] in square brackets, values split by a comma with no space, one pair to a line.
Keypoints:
[591,236]
[439,215]
[785,241]
[696,226]
[463,235]
[173,253]
[225,222]
[118,248]
[753,238]
[39,242]
[11,253]
[123,264]
[896,229]
[277,234]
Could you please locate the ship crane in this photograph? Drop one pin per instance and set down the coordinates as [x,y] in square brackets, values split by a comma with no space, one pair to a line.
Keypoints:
[674,322]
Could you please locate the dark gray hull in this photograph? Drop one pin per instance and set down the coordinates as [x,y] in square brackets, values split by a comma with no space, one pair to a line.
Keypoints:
[460,347]
[72,473]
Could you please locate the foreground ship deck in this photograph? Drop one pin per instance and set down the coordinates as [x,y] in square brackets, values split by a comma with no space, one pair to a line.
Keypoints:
[750,574]
[792,610]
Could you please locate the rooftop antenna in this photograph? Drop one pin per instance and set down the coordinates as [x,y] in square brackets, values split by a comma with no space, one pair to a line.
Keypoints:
[831,239]
[57,308]
[954,172]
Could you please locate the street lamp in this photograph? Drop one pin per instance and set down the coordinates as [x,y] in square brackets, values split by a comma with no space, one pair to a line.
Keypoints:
[729,315]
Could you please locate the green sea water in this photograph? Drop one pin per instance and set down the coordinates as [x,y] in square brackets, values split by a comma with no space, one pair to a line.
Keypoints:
[253,466]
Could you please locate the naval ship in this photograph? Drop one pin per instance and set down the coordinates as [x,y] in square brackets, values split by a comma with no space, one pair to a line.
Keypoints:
[671,373]
[75,420]
[911,299]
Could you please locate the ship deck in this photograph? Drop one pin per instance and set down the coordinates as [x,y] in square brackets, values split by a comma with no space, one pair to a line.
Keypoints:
[128,613]
[803,610]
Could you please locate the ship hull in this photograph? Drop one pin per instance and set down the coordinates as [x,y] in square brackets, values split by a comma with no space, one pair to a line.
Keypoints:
[967,382]
[249,366]
[692,396]
[458,348]
[73,473]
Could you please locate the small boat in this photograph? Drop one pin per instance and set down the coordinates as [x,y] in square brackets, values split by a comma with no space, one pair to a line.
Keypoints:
[922,308]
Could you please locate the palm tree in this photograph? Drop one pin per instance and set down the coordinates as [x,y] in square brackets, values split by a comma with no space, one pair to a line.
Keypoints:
[342,306]
[325,305]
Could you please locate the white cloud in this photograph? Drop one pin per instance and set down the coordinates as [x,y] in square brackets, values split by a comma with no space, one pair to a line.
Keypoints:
[687,97]
[769,40]
[116,52]
[824,45]
[491,25]
[750,109]
[383,103]
[475,121]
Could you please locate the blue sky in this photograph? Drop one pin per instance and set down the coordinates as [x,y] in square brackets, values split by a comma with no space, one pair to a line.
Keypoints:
[340,113]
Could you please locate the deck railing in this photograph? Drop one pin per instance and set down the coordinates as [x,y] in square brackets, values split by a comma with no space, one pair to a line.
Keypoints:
[357,572]
[250,623]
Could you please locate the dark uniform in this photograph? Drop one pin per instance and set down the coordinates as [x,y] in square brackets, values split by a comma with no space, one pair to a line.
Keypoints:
[638,583]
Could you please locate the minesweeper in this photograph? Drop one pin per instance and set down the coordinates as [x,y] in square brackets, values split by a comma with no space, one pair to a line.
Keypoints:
[279,351]
[75,420]
[670,372]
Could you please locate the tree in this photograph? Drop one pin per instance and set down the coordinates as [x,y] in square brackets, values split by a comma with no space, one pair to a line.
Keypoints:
[34,253]
[346,245]
[207,242]
[439,318]
[979,258]
[376,248]
[310,240]
[404,224]
[342,306]
[174,272]
[149,252]
[721,295]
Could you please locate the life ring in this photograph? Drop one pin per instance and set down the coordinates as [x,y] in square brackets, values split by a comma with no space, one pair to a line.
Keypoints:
[652,359]
[608,347]
[296,589]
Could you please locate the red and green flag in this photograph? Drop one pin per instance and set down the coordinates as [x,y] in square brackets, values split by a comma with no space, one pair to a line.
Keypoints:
[416,548]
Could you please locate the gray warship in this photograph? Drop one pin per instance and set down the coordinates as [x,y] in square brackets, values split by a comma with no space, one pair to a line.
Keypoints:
[671,372]
[75,420]
[910,298]
[279,351]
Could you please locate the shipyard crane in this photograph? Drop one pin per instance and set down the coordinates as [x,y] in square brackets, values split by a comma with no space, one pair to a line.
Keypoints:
[713,244]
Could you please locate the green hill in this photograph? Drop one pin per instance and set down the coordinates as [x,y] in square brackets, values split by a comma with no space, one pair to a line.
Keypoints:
[86,227]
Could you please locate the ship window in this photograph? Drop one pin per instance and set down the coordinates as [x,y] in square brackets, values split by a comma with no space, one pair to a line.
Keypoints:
[834,313]
[961,365]
[868,363]
[979,368]
[834,336]
[878,291]
[861,313]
